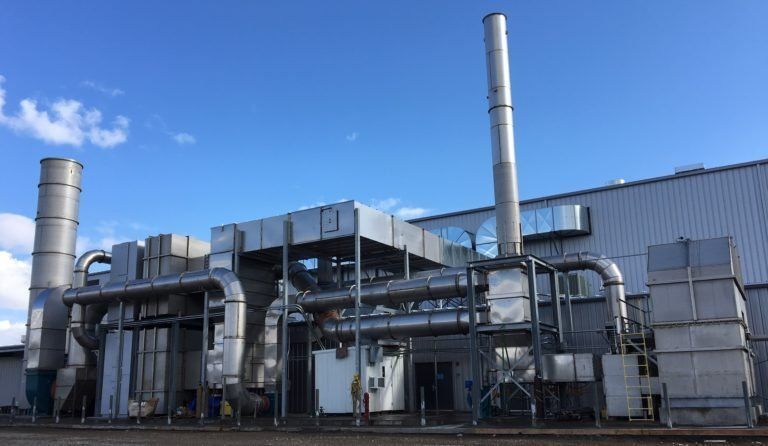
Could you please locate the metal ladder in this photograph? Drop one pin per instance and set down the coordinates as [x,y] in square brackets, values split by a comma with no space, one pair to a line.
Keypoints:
[636,364]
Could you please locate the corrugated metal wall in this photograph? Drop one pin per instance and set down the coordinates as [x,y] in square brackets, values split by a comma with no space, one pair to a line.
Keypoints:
[627,219]
[10,377]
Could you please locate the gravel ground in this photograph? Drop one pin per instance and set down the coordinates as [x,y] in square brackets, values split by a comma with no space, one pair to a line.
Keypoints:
[36,437]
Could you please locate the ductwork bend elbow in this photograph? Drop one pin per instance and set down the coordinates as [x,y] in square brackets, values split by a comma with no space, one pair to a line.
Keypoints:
[84,319]
[613,279]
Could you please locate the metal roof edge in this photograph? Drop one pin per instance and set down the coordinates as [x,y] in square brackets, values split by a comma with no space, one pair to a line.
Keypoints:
[601,188]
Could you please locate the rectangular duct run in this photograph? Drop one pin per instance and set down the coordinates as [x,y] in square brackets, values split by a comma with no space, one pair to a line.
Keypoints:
[700,327]
[558,221]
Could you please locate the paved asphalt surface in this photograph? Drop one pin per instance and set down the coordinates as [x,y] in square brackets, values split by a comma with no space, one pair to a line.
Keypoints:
[39,436]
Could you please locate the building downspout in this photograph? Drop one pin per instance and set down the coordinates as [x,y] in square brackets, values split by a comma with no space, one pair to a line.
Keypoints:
[613,279]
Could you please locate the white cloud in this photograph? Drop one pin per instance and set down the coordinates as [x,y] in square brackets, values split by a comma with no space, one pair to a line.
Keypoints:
[312,205]
[407,213]
[17,233]
[14,281]
[392,205]
[109,91]
[11,332]
[321,203]
[352,137]
[67,122]
[184,138]
[386,204]
[156,122]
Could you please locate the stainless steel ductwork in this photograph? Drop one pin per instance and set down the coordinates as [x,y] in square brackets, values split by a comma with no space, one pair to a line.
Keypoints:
[84,319]
[399,326]
[53,255]
[502,136]
[235,315]
[613,279]
[392,293]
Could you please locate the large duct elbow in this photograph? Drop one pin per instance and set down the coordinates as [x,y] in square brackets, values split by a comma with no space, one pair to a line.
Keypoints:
[235,315]
[613,279]
[83,320]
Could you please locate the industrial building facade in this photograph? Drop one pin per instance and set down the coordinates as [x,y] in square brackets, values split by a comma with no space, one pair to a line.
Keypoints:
[624,220]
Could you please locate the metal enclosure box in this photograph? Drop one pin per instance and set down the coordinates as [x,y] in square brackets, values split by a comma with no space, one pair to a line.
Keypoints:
[330,229]
[556,367]
[700,328]
[696,280]
[126,265]
[508,296]
[170,254]
[382,378]
[617,387]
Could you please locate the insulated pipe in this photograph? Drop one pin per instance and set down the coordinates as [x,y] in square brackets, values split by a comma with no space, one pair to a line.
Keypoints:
[83,321]
[502,136]
[399,326]
[613,279]
[393,292]
[235,315]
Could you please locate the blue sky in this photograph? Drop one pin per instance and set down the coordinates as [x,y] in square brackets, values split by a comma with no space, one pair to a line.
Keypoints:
[213,112]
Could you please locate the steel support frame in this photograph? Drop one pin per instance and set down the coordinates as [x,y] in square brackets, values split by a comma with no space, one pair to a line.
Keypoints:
[410,379]
[203,404]
[120,347]
[358,353]
[532,263]
[474,355]
[287,230]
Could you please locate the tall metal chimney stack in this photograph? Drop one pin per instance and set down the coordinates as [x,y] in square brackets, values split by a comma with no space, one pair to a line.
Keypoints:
[502,136]
[58,205]
[53,259]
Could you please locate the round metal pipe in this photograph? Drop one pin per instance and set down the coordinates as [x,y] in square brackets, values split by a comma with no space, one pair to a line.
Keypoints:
[613,279]
[399,326]
[235,315]
[84,319]
[393,292]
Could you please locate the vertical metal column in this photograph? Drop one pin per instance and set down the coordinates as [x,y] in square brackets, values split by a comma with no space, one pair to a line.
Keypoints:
[203,405]
[120,347]
[474,355]
[568,306]
[100,368]
[665,396]
[171,406]
[411,376]
[747,404]
[358,353]
[310,387]
[284,345]
[536,338]
[557,316]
